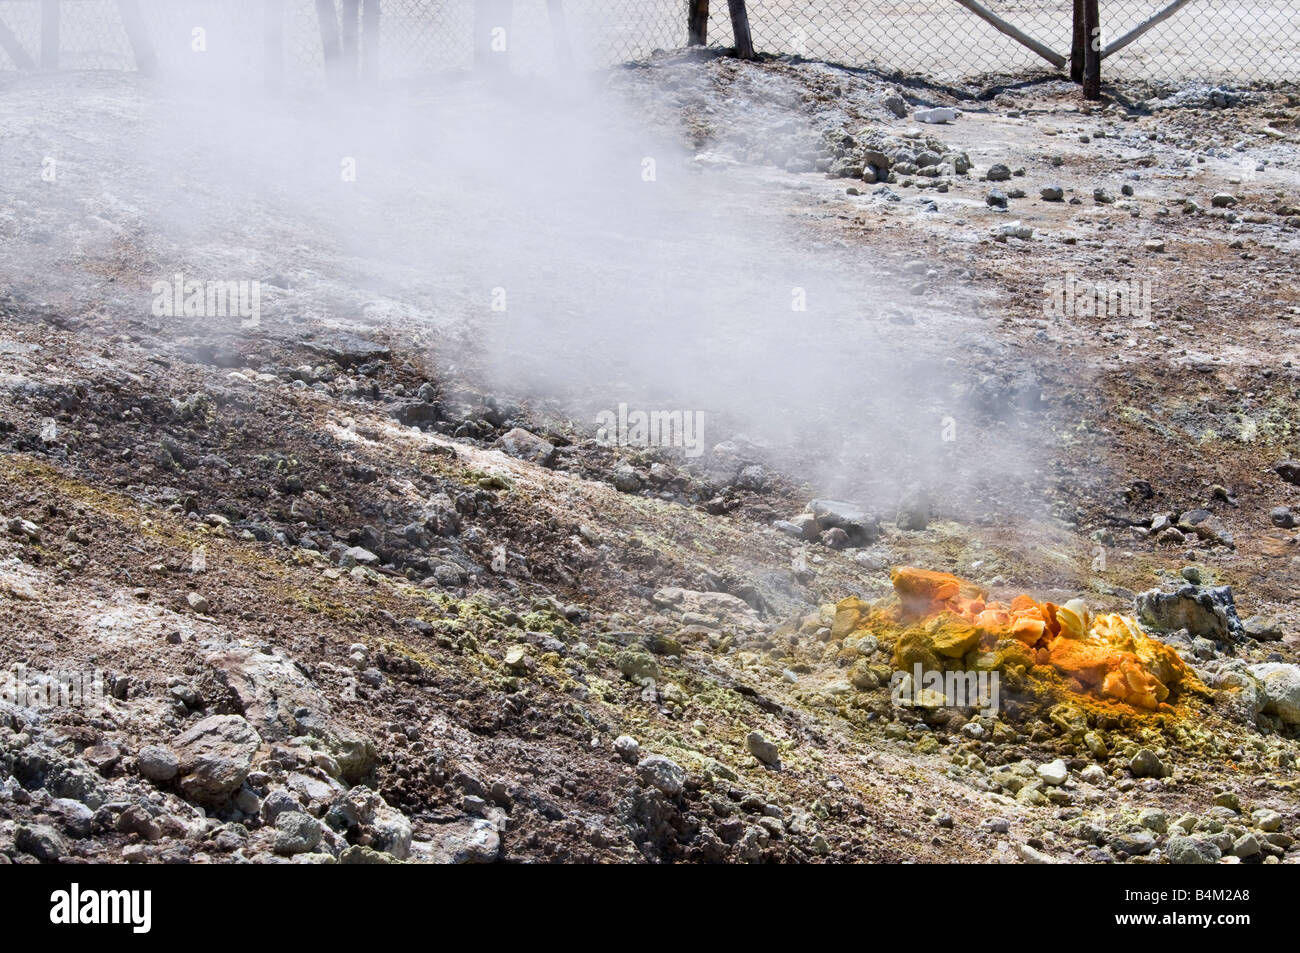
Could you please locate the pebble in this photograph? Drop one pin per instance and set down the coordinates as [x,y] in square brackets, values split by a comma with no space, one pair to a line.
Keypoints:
[1147,764]
[1054,773]
[626,747]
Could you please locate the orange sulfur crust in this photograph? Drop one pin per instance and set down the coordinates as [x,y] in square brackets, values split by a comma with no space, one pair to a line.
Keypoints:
[1108,656]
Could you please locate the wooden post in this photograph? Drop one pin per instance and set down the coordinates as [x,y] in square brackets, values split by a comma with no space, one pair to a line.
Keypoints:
[9,43]
[1077,44]
[697,23]
[560,32]
[50,34]
[331,45]
[273,32]
[1092,51]
[351,39]
[740,29]
[370,12]
[146,60]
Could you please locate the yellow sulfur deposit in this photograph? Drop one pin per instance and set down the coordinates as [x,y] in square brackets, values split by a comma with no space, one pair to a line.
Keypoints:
[942,621]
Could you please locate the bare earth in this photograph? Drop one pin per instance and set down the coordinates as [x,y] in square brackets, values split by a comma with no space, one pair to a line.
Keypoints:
[475,670]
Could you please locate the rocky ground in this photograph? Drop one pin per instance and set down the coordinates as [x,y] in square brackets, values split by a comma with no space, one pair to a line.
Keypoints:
[352,604]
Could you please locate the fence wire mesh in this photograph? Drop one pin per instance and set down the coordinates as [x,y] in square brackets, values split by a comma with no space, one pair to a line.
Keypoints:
[1215,40]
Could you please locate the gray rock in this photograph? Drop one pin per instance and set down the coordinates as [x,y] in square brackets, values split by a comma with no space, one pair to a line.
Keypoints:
[77,818]
[896,104]
[348,349]
[527,446]
[214,757]
[40,840]
[281,702]
[276,803]
[1288,470]
[391,832]
[1267,820]
[627,480]
[1192,850]
[158,764]
[467,842]
[626,747]
[762,749]
[1206,611]
[863,528]
[659,772]
[998,172]
[1147,764]
[1132,842]
[1052,193]
[1281,684]
[835,538]
[1263,628]
[1203,524]
[1282,517]
[996,199]
[1245,846]
[913,509]
[296,833]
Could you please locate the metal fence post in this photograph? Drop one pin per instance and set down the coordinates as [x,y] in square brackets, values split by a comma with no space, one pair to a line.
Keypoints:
[740,29]
[1077,44]
[697,23]
[1092,51]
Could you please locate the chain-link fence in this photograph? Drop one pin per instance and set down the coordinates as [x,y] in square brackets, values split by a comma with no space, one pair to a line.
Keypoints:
[1217,40]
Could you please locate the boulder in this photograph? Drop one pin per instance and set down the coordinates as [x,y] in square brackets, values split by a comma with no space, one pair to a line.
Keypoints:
[1281,684]
[282,703]
[1208,611]
[467,842]
[214,757]
[527,446]
[862,527]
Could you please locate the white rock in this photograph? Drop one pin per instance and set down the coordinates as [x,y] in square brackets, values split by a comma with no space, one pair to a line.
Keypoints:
[1054,772]
[1281,683]
[936,115]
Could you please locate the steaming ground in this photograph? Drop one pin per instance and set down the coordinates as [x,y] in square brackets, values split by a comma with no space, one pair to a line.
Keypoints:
[468,617]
